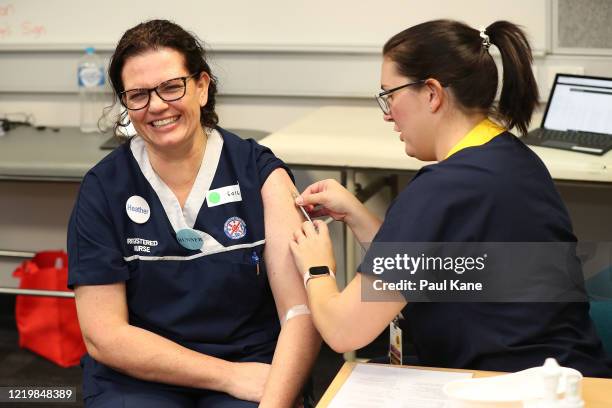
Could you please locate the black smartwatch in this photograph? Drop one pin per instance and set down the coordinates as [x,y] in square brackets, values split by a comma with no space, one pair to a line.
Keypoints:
[317,272]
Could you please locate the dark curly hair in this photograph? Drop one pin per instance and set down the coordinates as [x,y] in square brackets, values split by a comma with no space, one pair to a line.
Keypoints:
[155,34]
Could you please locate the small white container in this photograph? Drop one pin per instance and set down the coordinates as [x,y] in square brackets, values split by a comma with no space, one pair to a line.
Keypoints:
[516,390]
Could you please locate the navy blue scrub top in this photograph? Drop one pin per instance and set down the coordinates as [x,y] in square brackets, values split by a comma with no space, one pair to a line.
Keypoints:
[215,299]
[497,192]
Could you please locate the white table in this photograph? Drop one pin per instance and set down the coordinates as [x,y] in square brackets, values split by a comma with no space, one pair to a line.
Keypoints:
[357,138]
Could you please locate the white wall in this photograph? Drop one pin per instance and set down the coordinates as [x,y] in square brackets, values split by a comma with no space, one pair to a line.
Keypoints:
[275,59]
[245,24]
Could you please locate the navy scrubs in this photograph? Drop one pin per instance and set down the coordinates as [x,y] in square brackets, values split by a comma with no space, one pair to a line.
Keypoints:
[497,192]
[194,275]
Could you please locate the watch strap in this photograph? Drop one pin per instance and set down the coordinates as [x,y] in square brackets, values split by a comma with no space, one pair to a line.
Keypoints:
[308,276]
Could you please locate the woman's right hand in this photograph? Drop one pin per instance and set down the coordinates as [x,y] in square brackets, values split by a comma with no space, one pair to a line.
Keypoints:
[328,197]
[247,380]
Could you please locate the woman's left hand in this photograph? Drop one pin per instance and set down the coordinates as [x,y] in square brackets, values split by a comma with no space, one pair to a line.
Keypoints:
[311,246]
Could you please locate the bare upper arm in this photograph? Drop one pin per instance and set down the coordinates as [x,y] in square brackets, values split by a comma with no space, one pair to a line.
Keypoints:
[100,308]
[281,217]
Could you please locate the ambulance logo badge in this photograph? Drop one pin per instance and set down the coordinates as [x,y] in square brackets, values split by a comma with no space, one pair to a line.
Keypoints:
[235,228]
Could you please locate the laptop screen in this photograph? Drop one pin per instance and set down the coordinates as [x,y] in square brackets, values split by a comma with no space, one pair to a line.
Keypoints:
[580,103]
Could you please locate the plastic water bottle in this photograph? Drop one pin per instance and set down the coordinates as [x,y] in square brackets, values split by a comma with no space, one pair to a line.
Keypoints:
[90,74]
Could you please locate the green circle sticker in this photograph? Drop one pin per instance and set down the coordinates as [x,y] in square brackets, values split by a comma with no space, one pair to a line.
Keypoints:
[214,197]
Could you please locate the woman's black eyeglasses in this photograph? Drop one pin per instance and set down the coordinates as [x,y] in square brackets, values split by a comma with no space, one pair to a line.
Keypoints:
[383,97]
[168,91]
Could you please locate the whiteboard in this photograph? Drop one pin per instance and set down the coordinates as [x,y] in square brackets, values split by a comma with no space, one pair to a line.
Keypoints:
[288,24]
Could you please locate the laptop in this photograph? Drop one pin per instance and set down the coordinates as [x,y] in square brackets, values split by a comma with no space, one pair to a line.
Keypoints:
[578,116]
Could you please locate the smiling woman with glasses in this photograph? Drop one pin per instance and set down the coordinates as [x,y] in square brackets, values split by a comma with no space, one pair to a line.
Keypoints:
[178,248]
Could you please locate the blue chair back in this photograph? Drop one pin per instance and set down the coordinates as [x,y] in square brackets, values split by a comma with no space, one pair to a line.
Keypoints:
[601,313]
[599,288]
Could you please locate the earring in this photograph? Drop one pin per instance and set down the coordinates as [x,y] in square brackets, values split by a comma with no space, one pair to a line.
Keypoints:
[124,119]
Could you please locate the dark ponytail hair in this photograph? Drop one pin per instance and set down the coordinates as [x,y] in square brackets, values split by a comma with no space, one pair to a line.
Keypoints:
[155,34]
[519,94]
[458,57]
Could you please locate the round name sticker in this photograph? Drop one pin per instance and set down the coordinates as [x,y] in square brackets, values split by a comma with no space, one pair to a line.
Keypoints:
[137,209]
[189,239]
[214,197]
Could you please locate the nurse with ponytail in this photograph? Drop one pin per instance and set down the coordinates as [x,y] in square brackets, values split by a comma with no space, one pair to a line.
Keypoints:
[439,82]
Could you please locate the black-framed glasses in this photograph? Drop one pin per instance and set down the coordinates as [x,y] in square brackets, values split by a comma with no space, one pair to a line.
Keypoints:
[168,91]
[383,97]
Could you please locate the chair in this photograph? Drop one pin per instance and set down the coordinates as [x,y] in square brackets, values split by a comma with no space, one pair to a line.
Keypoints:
[601,313]
[599,288]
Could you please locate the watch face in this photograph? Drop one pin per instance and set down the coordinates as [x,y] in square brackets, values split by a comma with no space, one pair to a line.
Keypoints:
[319,270]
